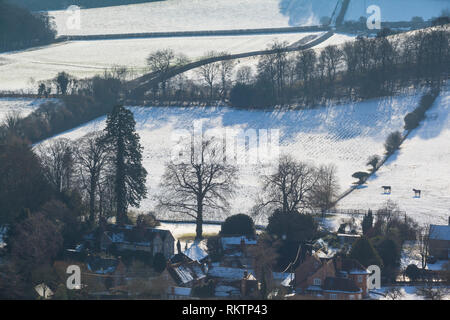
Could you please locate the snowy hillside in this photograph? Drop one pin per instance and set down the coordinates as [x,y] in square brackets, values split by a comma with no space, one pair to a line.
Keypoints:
[422,163]
[180,15]
[87,58]
[21,106]
[398,10]
[342,135]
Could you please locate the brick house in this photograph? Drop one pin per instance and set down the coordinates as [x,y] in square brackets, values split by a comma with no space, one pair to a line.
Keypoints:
[335,288]
[335,278]
[311,274]
[439,242]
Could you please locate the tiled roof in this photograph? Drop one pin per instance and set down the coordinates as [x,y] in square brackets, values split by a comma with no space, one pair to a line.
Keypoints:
[440,232]
[196,252]
[186,272]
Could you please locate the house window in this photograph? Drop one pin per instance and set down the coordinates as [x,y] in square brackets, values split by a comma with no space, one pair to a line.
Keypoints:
[333,296]
[360,279]
[317,282]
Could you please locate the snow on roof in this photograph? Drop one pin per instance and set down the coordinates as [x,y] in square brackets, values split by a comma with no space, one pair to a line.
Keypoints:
[180,291]
[233,241]
[325,255]
[196,252]
[227,273]
[287,281]
[184,274]
[43,290]
[349,235]
[238,273]
[440,232]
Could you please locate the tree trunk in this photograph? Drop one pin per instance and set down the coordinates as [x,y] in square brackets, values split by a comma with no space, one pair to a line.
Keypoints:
[92,200]
[199,221]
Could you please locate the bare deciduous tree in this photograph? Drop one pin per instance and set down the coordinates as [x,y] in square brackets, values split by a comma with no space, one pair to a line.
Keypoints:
[306,61]
[326,189]
[209,73]
[244,75]
[331,56]
[160,63]
[290,188]
[226,68]
[423,239]
[92,157]
[57,160]
[202,181]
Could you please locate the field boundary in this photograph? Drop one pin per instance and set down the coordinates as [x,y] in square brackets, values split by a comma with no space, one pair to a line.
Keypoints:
[200,33]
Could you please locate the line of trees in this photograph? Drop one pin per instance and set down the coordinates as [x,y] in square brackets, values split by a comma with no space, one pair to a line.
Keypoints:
[360,69]
[364,68]
[21,29]
[80,101]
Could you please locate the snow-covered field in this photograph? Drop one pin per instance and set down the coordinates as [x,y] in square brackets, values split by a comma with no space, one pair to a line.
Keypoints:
[88,58]
[422,163]
[183,15]
[22,106]
[342,135]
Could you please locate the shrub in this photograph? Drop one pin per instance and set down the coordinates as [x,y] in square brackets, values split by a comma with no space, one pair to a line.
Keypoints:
[413,272]
[413,119]
[361,176]
[393,142]
[239,224]
[373,161]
